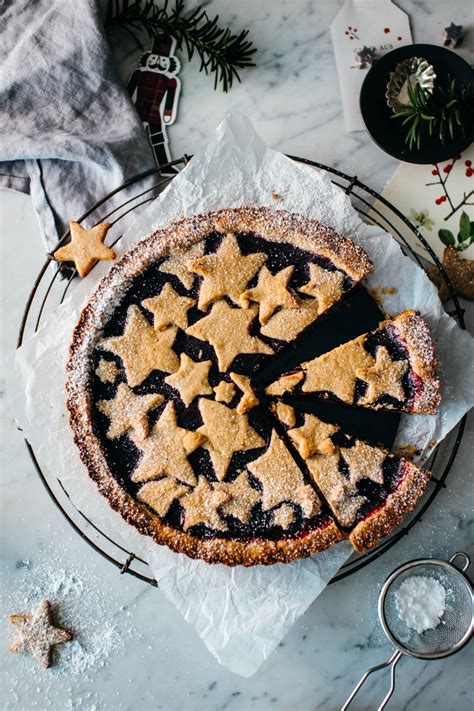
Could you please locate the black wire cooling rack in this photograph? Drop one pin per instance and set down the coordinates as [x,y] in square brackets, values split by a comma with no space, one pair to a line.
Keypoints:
[49,290]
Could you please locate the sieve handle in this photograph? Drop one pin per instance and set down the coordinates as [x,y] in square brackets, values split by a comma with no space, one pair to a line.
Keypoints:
[392,662]
[465,558]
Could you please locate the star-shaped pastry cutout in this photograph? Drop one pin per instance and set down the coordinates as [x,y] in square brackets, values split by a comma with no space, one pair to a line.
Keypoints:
[284,516]
[314,437]
[142,349]
[169,308]
[107,371]
[159,495]
[248,399]
[227,330]
[166,449]
[224,392]
[85,248]
[383,378]
[286,324]
[191,379]
[270,293]
[177,265]
[37,635]
[323,285]
[201,504]
[340,493]
[226,432]
[243,498]
[127,411]
[285,384]
[226,272]
[364,462]
[282,480]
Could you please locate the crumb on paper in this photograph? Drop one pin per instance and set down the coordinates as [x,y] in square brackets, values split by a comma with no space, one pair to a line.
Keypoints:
[432,443]
[275,195]
[409,451]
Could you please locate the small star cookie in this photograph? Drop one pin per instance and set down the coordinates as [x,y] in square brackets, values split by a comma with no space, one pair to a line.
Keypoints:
[226,432]
[282,480]
[314,437]
[227,330]
[107,371]
[127,411]
[284,516]
[364,462]
[226,272]
[177,265]
[323,285]
[159,495]
[37,635]
[248,399]
[243,498]
[270,293]
[191,379]
[224,391]
[166,449]
[383,378]
[85,248]
[169,308]
[201,504]
[285,413]
[142,349]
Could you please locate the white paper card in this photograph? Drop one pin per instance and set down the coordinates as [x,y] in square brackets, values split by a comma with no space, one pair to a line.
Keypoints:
[376,24]
[242,613]
[434,197]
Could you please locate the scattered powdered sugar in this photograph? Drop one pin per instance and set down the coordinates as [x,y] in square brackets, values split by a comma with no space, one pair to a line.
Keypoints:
[421,601]
[80,604]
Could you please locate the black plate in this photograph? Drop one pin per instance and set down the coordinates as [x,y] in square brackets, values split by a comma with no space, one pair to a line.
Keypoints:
[388,133]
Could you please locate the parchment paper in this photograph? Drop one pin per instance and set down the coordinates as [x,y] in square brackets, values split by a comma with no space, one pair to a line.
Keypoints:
[241,614]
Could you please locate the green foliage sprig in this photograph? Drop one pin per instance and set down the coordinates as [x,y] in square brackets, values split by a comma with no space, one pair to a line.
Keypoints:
[446,111]
[465,236]
[220,51]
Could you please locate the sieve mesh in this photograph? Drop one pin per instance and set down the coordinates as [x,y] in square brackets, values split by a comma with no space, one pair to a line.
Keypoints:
[455,622]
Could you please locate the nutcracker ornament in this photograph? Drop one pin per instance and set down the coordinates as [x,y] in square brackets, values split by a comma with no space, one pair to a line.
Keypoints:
[154,88]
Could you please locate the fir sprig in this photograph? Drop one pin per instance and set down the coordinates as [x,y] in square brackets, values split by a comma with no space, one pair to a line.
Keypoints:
[445,111]
[221,52]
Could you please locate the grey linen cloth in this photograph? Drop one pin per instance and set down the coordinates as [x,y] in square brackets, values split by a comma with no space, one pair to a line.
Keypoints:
[69,132]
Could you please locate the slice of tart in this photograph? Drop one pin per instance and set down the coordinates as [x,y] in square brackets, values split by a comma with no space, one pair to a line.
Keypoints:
[393,367]
[369,490]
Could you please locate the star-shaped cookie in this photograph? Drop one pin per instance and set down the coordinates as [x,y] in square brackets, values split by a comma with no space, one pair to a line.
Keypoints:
[159,495]
[314,437]
[226,272]
[85,248]
[323,285]
[224,392]
[166,449]
[169,308]
[142,349]
[383,378]
[284,516]
[201,504]
[191,379]
[286,324]
[127,411]
[177,265]
[364,462]
[270,293]
[243,497]
[282,480]
[340,493]
[37,634]
[248,399]
[226,432]
[227,330]
[107,371]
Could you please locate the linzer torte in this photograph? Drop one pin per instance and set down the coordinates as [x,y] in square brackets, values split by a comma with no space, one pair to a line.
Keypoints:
[162,396]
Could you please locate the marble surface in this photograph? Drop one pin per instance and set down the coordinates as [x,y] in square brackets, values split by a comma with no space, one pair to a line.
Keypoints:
[135,651]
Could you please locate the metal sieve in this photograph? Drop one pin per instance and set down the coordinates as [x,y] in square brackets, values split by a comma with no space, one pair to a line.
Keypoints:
[452,633]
